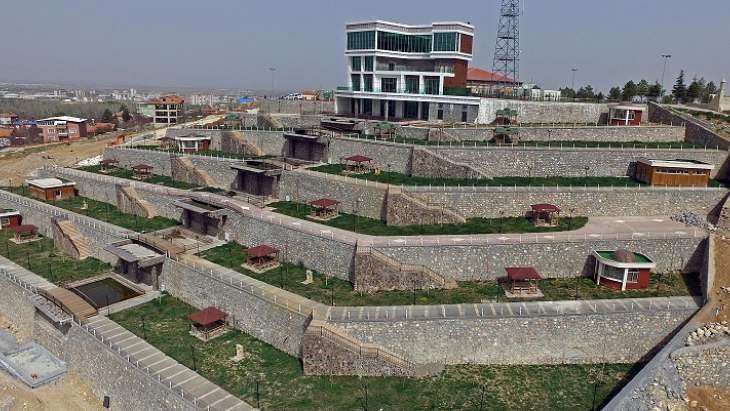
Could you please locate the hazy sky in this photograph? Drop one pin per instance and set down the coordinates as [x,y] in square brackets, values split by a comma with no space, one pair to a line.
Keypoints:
[232,43]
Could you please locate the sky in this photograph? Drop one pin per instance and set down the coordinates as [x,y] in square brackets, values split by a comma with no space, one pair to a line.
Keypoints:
[233,43]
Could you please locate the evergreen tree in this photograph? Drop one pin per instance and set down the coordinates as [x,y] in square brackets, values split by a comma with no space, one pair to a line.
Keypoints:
[107,116]
[710,89]
[655,91]
[642,89]
[125,113]
[614,94]
[567,92]
[695,90]
[679,91]
[586,93]
[630,91]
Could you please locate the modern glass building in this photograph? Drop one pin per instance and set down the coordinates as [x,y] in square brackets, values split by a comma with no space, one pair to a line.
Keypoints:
[402,72]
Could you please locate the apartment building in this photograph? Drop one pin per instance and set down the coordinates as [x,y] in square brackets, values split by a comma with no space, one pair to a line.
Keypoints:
[164,110]
[63,128]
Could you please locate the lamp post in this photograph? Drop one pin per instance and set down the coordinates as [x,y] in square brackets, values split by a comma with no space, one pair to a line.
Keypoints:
[572,78]
[666,58]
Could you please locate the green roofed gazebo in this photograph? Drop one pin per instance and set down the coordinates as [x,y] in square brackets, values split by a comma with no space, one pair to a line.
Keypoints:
[506,116]
[622,269]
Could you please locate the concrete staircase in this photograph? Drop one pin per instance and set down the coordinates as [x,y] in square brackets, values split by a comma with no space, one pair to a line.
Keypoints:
[70,241]
[129,201]
[330,350]
[404,209]
[426,163]
[375,271]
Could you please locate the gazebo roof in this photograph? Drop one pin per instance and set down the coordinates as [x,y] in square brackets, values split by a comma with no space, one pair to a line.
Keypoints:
[26,228]
[324,203]
[208,316]
[522,273]
[358,159]
[261,251]
[107,161]
[545,208]
[505,130]
[142,167]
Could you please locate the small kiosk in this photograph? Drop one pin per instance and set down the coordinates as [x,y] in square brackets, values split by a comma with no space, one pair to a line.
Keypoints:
[324,209]
[10,218]
[142,171]
[674,173]
[544,215]
[108,164]
[261,259]
[208,324]
[625,115]
[506,135]
[622,269]
[25,234]
[357,164]
[51,189]
[522,282]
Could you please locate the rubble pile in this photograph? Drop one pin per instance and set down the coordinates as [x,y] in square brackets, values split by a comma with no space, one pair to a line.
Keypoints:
[693,219]
[707,332]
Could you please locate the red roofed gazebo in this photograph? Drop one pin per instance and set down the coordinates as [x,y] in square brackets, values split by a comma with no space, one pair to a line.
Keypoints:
[108,163]
[24,233]
[544,215]
[357,164]
[261,258]
[522,280]
[142,171]
[208,323]
[324,209]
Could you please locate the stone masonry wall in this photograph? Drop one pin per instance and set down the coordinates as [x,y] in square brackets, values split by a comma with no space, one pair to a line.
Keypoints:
[494,202]
[538,111]
[386,156]
[552,259]
[695,132]
[550,339]
[427,163]
[404,210]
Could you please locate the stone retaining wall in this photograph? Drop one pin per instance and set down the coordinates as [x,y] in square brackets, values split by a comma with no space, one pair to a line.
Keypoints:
[386,156]
[539,111]
[695,132]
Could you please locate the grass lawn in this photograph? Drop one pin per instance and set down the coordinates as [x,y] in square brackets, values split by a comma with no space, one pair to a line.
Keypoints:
[556,143]
[390,177]
[340,292]
[129,174]
[207,153]
[372,226]
[282,386]
[42,258]
[107,212]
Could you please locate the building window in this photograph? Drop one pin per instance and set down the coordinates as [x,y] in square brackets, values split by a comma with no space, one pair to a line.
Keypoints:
[369,63]
[440,112]
[361,40]
[368,82]
[464,116]
[356,63]
[4,221]
[58,193]
[445,42]
[633,276]
[356,82]
[431,85]
[613,273]
[406,43]
[388,85]
[412,85]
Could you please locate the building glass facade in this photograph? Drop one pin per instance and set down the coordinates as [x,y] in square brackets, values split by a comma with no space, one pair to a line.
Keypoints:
[356,62]
[445,42]
[406,43]
[361,40]
[369,63]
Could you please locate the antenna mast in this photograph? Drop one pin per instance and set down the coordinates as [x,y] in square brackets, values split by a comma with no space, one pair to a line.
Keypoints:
[507,49]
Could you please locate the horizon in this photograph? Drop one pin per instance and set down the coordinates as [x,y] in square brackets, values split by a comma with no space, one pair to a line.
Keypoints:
[307,47]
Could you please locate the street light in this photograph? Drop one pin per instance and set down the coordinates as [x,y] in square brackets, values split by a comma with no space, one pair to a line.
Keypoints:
[666,58]
[572,81]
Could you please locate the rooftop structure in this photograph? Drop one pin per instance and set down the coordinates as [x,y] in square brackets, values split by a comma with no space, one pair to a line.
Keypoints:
[63,128]
[544,215]
[522,282]
[402,72]
[484,82]
[10,218]
[51,189]
[137,262]
[324,209]
[208,323]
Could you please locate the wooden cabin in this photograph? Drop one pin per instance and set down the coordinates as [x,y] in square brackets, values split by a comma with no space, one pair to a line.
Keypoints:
[673,173]
[51,189]
[10,218]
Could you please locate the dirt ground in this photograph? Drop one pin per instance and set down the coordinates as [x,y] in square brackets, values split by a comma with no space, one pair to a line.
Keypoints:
[17,163]
[70,393]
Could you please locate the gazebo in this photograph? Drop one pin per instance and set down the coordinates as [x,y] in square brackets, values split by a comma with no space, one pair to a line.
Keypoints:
[506,135]
[261,258]
[522,282]
[384,131]
[324,209]
[208,324]
[506,116]
[357,164]
[24,234]
[142,171]
[622,269]
[108,163]
[544,215]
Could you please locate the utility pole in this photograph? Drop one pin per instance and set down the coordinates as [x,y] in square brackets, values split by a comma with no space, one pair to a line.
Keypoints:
[572,79]
[666,58]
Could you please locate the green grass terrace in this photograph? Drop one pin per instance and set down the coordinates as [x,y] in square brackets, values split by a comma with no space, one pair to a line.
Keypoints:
[334,291]
[270,379]
[129,174]
[42,258]
[371,226]
[205,153]
[105,212]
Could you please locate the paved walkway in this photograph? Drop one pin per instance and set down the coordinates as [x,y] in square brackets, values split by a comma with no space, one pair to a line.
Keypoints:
[163,368]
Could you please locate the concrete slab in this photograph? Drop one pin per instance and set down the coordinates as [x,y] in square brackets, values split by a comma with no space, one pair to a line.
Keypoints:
[33,365]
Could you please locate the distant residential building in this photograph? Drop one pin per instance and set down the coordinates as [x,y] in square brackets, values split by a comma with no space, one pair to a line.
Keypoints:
[164,110]
[309,95]
[7,119]
[63,128]
[482,82]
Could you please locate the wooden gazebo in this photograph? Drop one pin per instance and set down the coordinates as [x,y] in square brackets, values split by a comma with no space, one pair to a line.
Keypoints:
[357,164]
[522,281]
[544,215]
[142,171]
[324,209]
[384,131]
[506,116]
[108,163]
[208,323]
[24,233]
[261,258]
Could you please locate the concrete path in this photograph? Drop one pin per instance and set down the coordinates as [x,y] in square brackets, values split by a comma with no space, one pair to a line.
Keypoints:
[165,370]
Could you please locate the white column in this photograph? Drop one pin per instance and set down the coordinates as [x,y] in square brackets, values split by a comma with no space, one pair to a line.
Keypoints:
[421,85]
[387,106]
[626,277]
[402,83]
[420,108]
[441,86]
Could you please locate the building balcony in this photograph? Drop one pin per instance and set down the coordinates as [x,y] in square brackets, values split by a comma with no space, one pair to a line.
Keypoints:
[396,90]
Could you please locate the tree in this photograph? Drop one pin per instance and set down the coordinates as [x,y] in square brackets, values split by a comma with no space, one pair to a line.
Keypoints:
[614,93]
[655,91]
[107,116]
[695,90]
[642,89]
[710,89]
[125,113]
[630,91]
[586,93]
[679,91]
[600,97]
[567,92]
